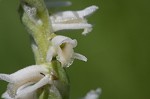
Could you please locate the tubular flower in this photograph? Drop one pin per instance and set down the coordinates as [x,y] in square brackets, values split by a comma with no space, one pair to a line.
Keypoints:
[24,83]
[73,20]
[62,49]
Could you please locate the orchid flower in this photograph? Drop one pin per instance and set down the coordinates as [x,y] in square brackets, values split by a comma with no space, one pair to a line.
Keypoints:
[72,20]
[24,83]
[62,49]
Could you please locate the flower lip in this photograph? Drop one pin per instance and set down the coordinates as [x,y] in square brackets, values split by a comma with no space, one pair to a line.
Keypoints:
[62,49]
[59,40]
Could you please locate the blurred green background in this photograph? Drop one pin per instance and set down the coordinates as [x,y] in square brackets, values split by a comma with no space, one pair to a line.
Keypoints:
[118,48]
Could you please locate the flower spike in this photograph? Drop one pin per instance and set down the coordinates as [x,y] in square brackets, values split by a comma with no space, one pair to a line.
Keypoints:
[48,79]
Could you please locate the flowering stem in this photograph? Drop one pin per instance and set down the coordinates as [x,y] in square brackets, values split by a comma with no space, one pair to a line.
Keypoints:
[47,79]
[35,17]
[39,27]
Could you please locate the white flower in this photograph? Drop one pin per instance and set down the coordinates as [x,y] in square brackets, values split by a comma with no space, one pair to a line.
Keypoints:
[93,94]
[24,83]
[62,49]
[72,20]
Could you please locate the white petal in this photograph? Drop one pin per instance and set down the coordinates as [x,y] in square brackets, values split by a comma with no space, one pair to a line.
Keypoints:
[67,17]
[12,89]
[31,95]
[87,11]
[61,57]
[72,20]
[86,31]
[30,89]
[72,16]
[51,4]
[28,74]
[80,57]
[65,57]
[6,78]
[93,94]
[6,96]
[58,40]
[50,54]
[64,17]
[58,27]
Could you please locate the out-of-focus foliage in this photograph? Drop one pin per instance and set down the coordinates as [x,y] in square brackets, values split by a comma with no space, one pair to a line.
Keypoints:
[118,48]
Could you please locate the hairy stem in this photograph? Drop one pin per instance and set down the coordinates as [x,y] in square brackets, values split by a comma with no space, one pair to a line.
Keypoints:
[39,27]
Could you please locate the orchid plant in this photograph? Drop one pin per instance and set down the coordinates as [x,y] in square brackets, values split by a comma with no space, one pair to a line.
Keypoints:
[53,53]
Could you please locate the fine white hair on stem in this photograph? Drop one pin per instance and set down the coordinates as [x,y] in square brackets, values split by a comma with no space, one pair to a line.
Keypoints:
[32,14]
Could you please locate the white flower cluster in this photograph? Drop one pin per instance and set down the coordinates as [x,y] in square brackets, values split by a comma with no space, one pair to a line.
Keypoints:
[24,83]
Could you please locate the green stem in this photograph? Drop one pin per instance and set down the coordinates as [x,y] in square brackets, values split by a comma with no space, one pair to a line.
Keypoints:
[41,35]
